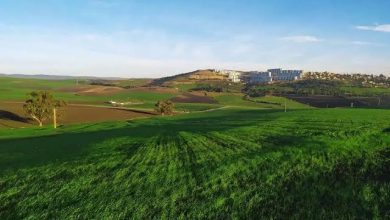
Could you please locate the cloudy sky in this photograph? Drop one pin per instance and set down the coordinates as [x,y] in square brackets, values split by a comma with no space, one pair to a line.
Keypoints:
[136,38]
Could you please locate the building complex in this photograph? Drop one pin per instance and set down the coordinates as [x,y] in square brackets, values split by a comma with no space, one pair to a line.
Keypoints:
[253,77]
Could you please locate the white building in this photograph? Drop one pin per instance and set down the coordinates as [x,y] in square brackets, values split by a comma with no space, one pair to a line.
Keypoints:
[285,75]
[233,76]
[272,75]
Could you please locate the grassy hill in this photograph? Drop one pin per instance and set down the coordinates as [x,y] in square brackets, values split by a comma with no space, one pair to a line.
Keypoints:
[134,93]
[228,163]
[325,93]
[190,77]
[224,155]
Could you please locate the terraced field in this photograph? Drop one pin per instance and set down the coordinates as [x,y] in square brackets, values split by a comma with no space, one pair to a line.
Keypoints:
[228,163]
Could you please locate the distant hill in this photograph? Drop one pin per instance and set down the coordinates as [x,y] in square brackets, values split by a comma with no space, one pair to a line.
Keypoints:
[56,77]
[197,75]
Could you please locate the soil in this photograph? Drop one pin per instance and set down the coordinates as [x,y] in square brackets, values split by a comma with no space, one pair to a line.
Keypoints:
[12,115]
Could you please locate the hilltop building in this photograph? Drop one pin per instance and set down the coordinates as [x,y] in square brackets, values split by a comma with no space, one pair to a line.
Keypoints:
[285,75]
[273,75]
[259,77]
[232,75]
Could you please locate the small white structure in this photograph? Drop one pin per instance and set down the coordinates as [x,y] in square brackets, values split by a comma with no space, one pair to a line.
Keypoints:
[233,76]
[113,103]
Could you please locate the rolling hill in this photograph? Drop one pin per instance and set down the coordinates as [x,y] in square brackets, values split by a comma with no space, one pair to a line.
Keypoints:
[190,77]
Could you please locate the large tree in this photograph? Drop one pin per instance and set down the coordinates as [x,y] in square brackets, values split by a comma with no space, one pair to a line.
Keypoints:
[42,106]
[164,107]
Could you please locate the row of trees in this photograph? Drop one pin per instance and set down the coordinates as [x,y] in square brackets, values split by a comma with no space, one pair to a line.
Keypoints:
[301,87]
[41,106]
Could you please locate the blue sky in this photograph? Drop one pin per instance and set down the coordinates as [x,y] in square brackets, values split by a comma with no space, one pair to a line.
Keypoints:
[158,38]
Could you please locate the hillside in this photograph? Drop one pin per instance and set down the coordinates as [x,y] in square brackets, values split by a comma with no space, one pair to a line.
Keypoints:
[225,164]
[222,155]
[190,77]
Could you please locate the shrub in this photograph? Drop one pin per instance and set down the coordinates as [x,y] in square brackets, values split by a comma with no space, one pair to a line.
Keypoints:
[164,107]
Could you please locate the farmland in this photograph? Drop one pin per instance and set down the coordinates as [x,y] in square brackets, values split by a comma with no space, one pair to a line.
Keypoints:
[84,97]
[229,163]
[13,116]
[221,155]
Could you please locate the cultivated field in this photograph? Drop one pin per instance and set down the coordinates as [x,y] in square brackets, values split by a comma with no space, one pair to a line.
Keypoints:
[12,115]
[230,163]
[86,101]
[222,155]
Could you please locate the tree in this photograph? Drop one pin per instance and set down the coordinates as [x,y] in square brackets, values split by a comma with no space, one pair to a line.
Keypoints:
[164,107]
[42,106]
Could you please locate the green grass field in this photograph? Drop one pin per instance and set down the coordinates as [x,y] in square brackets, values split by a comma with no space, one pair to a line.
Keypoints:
[227,163]
[279,102]
[17,89]
[365,91]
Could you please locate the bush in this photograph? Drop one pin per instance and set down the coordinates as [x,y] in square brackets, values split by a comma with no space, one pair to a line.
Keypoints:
[164,107]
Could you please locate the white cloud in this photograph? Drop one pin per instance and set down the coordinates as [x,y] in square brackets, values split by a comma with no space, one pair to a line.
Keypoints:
[302,39]
[362,43]
[156,53]
[379,28]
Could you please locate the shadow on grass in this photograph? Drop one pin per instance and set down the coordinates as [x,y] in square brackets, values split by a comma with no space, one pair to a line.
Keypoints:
[35,151]
[7,115]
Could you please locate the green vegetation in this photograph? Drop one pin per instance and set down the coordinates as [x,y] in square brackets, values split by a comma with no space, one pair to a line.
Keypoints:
[164,107]
[365,91]
[17,90]
[218,86]
[184,87]
[315,87]
[123,83]
[273,102]
[228,163]
[324,93]
[41,106]
[279,102]
[195,107]
[235,155]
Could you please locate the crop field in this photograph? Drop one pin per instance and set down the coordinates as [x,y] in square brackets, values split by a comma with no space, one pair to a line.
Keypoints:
[85,101]
[16,89]
[222,155]
[366,91]
[324,101]
[226,163]
[196,109]
[13,116]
